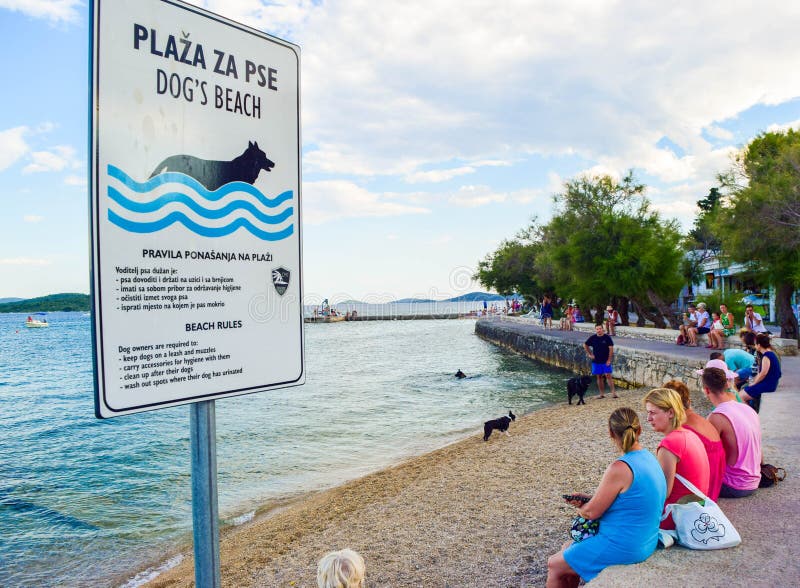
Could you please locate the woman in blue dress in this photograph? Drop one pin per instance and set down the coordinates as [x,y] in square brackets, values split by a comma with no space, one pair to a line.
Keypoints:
[628,503]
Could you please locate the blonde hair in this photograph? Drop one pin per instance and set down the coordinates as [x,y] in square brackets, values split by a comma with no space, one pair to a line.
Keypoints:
[667,399]
[624,425]
[341,569]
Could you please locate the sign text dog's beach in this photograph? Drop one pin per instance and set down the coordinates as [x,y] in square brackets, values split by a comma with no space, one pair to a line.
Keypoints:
[195,205]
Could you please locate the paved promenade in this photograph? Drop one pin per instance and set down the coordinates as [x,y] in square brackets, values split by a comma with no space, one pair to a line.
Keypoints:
[768,521]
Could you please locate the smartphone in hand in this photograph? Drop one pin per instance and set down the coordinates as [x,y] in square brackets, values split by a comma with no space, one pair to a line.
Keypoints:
[578,497]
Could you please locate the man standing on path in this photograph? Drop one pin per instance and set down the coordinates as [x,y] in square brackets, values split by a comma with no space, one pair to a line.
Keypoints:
[600,349]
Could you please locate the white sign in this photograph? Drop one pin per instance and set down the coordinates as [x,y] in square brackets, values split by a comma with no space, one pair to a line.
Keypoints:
[195,205]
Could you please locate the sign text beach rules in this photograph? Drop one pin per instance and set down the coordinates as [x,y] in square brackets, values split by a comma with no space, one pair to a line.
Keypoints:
[195,207]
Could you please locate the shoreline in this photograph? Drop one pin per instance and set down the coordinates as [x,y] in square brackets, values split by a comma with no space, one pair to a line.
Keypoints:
[469,513]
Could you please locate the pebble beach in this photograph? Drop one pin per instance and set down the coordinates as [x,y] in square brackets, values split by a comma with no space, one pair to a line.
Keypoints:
[489,514]
[473,513]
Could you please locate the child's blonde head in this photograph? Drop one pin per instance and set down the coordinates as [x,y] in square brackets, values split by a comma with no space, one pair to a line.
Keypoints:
[341,569]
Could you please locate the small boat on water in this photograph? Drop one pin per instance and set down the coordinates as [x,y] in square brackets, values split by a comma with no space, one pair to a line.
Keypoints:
[326,314]
[325,319]
[38,322]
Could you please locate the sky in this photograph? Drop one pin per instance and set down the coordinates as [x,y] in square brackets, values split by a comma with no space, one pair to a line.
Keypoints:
[431,130]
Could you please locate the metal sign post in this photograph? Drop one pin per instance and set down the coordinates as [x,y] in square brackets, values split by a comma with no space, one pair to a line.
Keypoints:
[195,222]
[205,515]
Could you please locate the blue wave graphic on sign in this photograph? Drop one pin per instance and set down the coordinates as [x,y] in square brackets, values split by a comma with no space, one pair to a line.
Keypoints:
[190,204]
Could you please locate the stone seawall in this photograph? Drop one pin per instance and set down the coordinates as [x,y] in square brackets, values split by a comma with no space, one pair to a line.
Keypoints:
[636,364]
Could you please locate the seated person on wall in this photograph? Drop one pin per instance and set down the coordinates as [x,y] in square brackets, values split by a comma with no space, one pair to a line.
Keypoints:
[740,430]
[703,325]
[680,451]
[726,318]
[628,502]
[715,338]
[753,321]
[612,320]
[689,323]
[743,361]
[769,373]
[341,569]
[707,434]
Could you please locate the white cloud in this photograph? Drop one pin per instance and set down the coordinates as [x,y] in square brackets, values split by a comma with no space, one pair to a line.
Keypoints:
[397,88]
[12,146]
[474,196]
[59,158]
[52,10]
[438,175]
[442,175]
[24,261]
[719,133]
[32,218]
[795,124]
[330,200]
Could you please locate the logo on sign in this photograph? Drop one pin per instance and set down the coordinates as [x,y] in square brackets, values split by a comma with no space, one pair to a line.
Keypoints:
[280,279]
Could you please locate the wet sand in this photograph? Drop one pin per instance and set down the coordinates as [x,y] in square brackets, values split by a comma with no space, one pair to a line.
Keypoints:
[469,514]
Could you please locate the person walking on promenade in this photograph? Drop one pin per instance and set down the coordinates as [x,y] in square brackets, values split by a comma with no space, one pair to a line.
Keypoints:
[600,349]
[628,504]
[547,313]
[740,430]
[769,372]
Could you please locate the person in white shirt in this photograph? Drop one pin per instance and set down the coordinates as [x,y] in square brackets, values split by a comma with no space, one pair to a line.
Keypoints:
[703,324]
[753,321]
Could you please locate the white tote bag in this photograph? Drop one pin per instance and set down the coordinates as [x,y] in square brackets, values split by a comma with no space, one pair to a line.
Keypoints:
[701,525]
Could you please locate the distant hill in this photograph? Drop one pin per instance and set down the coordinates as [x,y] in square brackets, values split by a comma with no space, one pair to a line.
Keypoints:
[411,300]
[51,303]
[4,300]
[480,297]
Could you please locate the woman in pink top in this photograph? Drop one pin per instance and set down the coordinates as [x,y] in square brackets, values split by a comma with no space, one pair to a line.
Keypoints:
[708,434]
[680,451]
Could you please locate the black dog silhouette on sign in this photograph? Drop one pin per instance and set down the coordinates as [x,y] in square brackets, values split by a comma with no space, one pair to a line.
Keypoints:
[213,174]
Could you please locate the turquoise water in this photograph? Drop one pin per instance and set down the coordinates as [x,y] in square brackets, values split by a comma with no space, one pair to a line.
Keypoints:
[85,502]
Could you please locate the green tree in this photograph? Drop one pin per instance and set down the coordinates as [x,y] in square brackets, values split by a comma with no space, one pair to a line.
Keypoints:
[702,242]
[760,217]
[607,244]
[510,268]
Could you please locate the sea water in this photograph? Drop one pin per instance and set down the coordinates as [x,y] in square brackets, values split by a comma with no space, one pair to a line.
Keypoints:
[85,502]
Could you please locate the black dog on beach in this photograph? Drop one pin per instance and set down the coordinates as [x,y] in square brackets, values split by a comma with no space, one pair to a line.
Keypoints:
[500,424]
[578,387]
[213,174]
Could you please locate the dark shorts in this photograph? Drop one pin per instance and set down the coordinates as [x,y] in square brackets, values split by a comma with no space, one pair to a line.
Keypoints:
[728,492]
[598,369]
[702,330]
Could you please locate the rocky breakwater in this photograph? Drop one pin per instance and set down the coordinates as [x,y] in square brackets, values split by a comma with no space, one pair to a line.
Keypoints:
[636,363]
